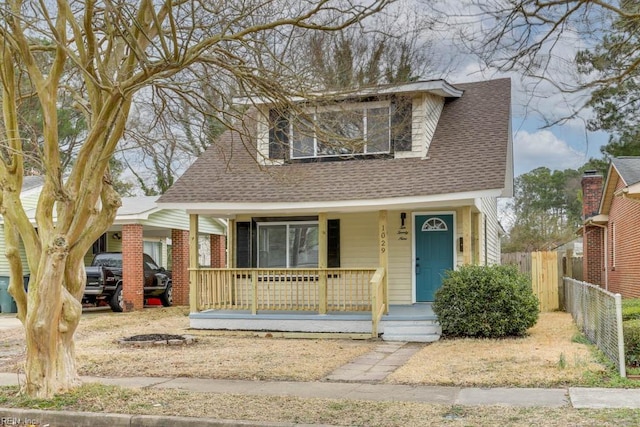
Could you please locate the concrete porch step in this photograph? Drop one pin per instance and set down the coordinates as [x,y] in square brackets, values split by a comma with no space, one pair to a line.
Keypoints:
[411,330]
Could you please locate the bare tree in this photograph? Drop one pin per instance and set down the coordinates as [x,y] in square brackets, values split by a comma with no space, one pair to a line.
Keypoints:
[540,39]
[386,48]
[104,53]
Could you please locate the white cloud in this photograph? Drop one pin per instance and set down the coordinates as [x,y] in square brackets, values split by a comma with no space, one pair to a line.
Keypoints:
[543,148]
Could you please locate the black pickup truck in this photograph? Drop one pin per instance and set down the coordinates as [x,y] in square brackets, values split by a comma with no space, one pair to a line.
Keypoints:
[104,281]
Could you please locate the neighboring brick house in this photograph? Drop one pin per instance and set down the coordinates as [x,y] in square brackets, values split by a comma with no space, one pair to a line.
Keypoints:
[611,232]
[331,202]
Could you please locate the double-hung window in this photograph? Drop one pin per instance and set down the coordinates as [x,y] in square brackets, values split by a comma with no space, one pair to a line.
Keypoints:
[362,128]
[288,244]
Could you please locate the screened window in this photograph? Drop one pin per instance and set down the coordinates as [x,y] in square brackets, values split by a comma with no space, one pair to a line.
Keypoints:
[288,245]
[362,128]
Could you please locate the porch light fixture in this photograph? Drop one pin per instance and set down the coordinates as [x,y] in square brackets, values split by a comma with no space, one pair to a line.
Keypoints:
[116,236]
[403,216]
[461,244]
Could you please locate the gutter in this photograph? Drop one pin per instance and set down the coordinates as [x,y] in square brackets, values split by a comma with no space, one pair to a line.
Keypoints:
[624,193]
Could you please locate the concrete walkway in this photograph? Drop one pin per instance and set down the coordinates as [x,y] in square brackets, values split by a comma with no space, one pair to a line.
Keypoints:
[376,365]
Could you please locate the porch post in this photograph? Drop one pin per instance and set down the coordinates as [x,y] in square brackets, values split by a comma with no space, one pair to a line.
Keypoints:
[231,243]
[322,262]
[466,236]
[193,263]
[383,245]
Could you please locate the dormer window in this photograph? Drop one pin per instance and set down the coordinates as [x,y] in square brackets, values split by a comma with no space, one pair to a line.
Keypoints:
[343,130]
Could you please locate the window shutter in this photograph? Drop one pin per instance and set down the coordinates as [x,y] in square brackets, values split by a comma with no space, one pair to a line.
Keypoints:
[278,135]
[333,243]
[243,244]
[401,123]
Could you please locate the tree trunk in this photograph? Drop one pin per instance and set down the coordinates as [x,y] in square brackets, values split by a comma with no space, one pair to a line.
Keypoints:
[51,321]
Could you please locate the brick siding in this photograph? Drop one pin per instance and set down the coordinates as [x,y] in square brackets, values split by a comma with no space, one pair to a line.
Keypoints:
[180,266]
[591,194]
[218,251]
[593,236]
[624,278]
[592,257]
[132,267]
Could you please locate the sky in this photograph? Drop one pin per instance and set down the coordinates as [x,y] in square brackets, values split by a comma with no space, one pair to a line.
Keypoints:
[535,102]
[537,142]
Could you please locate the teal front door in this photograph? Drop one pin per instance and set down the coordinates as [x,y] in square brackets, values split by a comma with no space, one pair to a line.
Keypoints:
[434,253]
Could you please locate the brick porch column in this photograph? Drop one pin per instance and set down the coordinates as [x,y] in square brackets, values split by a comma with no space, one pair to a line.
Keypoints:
[180,266]
[218,251]
[132,267]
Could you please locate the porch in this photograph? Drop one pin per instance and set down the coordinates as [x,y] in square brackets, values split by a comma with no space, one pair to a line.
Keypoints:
[328,300]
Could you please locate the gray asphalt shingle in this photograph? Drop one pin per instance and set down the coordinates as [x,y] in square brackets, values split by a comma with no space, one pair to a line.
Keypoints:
[469,152]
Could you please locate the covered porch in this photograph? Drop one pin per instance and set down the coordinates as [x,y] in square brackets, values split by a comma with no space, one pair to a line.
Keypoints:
[320,291]
[327,299]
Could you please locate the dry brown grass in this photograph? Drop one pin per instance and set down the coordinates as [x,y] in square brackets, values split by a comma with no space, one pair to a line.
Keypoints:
[213,356]
[547,357]
[534,360]
[107,399]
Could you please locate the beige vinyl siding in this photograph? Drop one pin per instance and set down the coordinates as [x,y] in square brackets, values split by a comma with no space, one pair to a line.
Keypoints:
[4,263]
[426,112]
[359,248]
[262,134]
[114,245]
[29,198]
[176,219]
[359,240]
[400,259]
[490,209]
[459,261]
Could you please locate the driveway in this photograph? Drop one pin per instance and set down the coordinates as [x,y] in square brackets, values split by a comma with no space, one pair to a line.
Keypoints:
[9,321]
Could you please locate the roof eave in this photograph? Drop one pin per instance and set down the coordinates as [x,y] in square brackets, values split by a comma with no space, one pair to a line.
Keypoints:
[228,209]
[437,87]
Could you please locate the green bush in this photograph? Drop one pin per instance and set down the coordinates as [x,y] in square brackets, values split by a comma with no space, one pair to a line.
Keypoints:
[489,302]
[630,309]
[631,334]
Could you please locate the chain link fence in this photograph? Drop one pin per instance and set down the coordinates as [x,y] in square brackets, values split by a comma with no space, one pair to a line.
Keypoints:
[598,314]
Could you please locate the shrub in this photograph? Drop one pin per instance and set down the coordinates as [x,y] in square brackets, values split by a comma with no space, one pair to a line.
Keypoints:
[630,309]
[490,302]
[631,334]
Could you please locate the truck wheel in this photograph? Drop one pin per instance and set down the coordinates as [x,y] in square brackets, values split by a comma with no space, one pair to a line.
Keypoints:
[116,302]
[167,296]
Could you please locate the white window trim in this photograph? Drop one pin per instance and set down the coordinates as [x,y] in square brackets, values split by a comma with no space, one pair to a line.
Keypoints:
[288,224]
[313,112]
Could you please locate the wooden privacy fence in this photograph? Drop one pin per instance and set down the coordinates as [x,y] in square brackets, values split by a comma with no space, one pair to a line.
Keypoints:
[542,268]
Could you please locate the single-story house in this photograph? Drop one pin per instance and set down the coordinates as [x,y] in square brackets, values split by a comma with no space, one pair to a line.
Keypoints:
[344,215]
[611,236]
[141,226]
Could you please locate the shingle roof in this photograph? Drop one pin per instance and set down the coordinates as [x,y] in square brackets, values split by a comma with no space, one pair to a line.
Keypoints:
[469,152]
[628,167]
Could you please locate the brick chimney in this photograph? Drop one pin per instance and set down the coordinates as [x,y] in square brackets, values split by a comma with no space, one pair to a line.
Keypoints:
[591,193]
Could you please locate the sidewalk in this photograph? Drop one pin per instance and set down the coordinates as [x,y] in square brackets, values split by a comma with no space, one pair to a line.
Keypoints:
[594,398]
[576,397]
[361,379]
